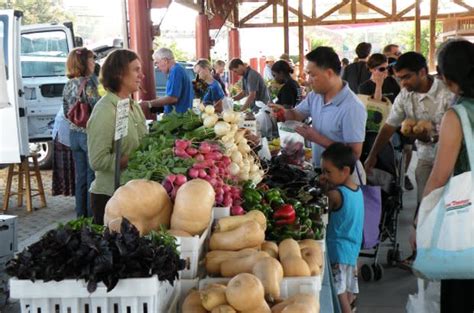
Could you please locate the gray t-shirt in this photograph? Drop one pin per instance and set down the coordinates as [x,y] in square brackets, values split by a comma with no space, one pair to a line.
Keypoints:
[253,81]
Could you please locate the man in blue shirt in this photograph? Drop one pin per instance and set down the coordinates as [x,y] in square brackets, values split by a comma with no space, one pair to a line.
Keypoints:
[179,89]
[337,113]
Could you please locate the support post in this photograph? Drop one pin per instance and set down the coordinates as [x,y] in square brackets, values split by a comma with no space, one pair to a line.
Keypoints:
[234,49]
[203,42]
[141,41]
[286,30]
[300,38]
[433,13]
[417,26]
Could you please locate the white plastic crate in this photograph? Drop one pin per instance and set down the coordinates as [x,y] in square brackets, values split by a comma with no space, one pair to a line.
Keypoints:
[8,235]
[131,295]
[185,286]
[194,248]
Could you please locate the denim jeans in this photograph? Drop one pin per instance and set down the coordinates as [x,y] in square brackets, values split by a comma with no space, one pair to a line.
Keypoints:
[84,173]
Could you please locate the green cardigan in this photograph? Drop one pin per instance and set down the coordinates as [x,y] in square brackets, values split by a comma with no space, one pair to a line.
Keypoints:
[462,163]
[100,140]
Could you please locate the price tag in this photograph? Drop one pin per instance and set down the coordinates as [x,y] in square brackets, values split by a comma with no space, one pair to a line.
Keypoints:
[121,119]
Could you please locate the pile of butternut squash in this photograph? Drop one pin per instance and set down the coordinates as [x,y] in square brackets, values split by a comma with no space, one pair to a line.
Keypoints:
[237,246]
[244,293]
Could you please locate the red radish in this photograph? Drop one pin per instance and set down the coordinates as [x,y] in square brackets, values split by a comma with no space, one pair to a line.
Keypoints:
[237,210]
[182,144]
[191,151]
[219,198]
[200,165]
[212,181]
[199,157]
[227,188]
[205,148]
[193,173]
[202,173]
[168,186]
[180,179]
[180,153]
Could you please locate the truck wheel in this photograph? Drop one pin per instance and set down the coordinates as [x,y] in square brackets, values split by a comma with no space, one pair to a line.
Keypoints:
[44,149]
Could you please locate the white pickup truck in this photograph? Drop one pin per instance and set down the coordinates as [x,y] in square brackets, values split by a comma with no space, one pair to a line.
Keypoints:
[35,58]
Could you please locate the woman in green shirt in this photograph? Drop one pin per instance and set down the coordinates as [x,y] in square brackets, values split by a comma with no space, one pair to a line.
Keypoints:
[456,65]
[121,76]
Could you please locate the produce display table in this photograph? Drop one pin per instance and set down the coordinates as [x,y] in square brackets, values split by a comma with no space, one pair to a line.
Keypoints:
[327,297]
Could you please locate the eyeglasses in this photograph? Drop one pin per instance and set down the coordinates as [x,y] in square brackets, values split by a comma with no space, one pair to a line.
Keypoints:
[382,69]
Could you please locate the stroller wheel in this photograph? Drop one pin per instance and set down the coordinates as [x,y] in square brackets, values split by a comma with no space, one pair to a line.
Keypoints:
[393,257]
[367,272]
[378,271]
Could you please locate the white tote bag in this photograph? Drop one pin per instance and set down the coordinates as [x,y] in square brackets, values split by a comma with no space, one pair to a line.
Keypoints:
[425,301]
[445,232]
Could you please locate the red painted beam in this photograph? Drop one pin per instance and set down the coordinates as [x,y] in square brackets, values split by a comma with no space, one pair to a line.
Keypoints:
[234,49]
[141,41]
[203,41]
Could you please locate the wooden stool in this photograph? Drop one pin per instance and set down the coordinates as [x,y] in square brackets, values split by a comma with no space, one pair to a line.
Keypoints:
[24,176]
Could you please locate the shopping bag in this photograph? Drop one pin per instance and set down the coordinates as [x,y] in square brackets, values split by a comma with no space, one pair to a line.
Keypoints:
[372,213]
[426,301]
[79,113]
[445,232]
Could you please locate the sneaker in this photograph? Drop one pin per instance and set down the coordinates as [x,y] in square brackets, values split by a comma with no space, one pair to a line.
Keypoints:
[408,184]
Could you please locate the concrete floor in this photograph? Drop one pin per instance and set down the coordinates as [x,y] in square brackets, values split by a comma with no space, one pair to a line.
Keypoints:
[389,295]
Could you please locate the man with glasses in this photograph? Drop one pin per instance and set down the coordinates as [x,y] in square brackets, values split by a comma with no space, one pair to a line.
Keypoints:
[423,97]
[179,89]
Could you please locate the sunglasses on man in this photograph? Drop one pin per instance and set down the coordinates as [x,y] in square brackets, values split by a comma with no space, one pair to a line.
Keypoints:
[382,69]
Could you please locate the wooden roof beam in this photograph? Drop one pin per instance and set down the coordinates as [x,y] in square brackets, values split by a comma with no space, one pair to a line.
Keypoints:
[464,5]
[405,11]
[254,13]
[374,8]
[332,10]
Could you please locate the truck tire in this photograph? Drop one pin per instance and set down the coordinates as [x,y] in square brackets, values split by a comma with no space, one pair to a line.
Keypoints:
[44,149]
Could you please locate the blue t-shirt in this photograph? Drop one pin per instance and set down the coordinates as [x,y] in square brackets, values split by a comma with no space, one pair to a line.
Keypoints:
[179,85]
[344,230]
[342,119]
[213,93]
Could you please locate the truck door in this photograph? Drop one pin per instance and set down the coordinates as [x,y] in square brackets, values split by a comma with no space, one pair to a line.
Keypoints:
[13,122]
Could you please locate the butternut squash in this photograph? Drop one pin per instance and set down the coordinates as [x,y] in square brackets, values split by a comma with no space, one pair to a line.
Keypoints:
[302,298]
[231,222]
[313,258]
[223,308]
[193,206]
[179,233]
[305,243]
[244,292]
[212,296]
[295,266]
[289,247]
[215,258]
[144,203]
[271,248]
[249,234]
[261,308]
[297,308]
[232,267]
[270,273]
[192,303]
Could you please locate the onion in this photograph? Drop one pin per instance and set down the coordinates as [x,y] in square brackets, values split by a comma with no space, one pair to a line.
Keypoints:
[209,109]
[222,128]
[236,156]
[244,148]
[254,168]
[227,138]
[210,121]
[234,128]
[234,169]
[228,116]
[244,176]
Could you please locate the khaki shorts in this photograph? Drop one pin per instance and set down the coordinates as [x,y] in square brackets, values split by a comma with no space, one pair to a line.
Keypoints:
[422,173]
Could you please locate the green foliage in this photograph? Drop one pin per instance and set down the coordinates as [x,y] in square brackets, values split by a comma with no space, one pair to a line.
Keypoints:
[179,54]
[319,42]
[40,11]
[407,38]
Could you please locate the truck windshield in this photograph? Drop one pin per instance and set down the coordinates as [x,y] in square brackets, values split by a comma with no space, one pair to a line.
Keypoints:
[44,54]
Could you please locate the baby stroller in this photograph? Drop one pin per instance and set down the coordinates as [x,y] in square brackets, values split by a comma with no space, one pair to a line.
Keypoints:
[388,173]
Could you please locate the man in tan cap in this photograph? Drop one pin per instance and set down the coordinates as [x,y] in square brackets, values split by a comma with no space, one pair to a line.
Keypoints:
[267,72]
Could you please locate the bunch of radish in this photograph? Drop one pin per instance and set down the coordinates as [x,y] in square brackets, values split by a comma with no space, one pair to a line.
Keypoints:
[211,165]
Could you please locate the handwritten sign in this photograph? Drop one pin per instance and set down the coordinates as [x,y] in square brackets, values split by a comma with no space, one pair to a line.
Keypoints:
[121,119]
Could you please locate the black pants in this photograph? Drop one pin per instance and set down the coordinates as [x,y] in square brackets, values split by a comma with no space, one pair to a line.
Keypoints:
[457,296]
[98,203]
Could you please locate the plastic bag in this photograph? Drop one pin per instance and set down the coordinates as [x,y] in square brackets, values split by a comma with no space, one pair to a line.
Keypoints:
[292,143]
[266,123]
[227,104]
[425,301]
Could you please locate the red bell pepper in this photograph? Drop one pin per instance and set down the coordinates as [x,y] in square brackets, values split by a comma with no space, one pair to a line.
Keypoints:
[280,115]
[284,215]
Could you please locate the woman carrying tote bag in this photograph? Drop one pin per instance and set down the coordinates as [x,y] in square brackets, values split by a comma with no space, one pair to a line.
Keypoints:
[450,239]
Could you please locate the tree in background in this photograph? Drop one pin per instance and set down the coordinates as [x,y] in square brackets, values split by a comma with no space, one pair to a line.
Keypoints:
[40,11]
[179,54]
[407,38]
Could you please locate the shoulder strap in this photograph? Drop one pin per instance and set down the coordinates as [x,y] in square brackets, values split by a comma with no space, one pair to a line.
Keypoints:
[467,132]
[82,87]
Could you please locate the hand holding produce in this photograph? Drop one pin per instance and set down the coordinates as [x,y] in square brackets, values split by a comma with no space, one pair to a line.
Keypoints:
[143,202]
[411,127]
